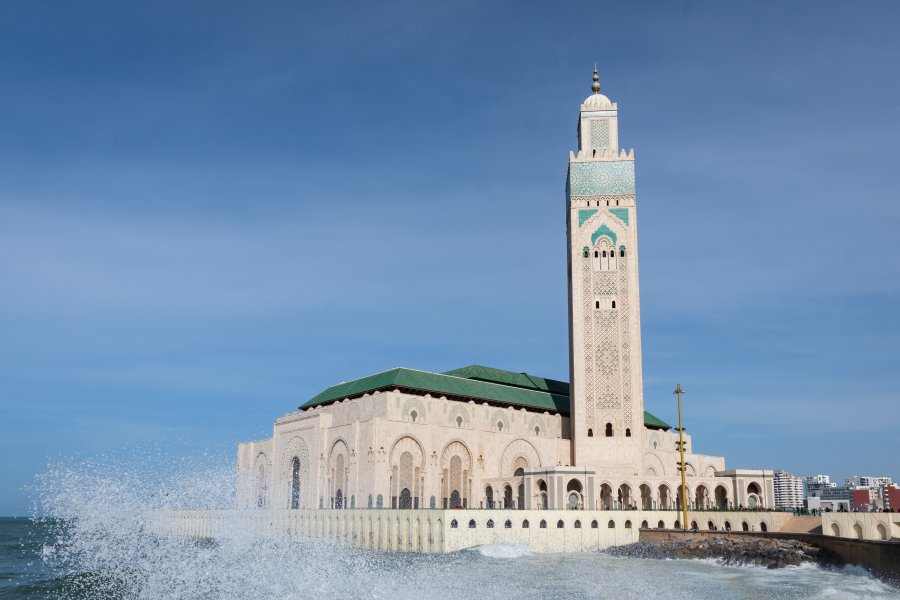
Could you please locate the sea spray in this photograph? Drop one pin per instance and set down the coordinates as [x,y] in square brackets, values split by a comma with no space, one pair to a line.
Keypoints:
[99,541]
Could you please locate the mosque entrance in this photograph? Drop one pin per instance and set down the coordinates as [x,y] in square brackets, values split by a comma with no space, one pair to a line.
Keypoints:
[405,498]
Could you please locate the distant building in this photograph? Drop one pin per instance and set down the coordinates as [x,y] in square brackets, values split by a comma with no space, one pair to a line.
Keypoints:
[830,499]
[815,483]
[891,497]
[868,481]
[864,499]
[788,490]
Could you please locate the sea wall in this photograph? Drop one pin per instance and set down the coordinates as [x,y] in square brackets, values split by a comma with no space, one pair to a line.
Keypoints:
[436,530]
[862,525]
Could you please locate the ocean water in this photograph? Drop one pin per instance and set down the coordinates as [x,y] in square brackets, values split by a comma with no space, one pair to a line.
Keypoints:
[93,543]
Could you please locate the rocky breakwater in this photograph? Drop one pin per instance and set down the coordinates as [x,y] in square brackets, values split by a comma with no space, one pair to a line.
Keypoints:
[772,553]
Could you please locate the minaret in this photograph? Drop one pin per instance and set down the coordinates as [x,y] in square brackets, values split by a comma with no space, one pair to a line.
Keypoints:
[604,309]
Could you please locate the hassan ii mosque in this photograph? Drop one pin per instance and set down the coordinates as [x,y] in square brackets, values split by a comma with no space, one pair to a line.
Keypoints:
[479,437]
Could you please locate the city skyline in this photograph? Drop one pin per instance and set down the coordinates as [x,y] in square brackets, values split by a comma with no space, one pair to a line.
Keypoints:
[207,222]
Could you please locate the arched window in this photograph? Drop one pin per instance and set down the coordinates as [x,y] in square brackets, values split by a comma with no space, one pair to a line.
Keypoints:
[660,525]
[519,472]
[537,430]
[590,433]
[459,421]
[645,525]
[577,524]
[413,416]
[525,524]
[763,526]
[379,501]
[627,432]
[543,524]
[603,254]
[622,252]
[609,431]
[499,425]
[613,303]
[472,524]
[611,524]
[597,304]
[595,524]
[454,524]
[490,524]
[627,524]
[596,254]
[560,524]
[507,524]
[295,483]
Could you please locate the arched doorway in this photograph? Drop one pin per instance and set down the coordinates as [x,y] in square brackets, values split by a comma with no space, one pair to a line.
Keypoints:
[339,499]
[664,497]
[702,497]
[574,499]
[507,496]
[521,497]
[455,499]
[721,497]
[489,497]
[624,496]
[542,493]
[646,497]
[754,495]
[605,497]
[857,531]
[405,499]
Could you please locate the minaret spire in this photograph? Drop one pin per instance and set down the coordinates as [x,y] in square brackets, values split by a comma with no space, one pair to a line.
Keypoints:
[596,85]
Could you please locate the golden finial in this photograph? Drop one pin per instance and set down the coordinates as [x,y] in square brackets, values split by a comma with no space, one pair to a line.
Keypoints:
[596,85]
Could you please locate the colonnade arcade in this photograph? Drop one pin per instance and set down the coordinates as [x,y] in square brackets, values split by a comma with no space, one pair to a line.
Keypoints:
[526,486]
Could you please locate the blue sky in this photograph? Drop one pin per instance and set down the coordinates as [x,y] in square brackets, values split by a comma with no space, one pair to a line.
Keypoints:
[211,211]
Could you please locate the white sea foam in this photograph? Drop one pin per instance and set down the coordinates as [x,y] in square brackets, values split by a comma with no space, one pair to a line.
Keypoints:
[503,550]
[104,507]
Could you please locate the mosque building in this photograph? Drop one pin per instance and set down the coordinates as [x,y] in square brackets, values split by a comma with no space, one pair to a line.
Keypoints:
[479,437]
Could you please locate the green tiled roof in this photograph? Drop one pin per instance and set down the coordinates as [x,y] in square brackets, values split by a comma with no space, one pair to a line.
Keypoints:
[474,382]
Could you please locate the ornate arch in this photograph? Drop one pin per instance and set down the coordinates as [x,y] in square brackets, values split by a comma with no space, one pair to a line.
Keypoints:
[459,410]
[516,449]
[457,448]
[653,463]
[413,403]
[295,448]
[409,444]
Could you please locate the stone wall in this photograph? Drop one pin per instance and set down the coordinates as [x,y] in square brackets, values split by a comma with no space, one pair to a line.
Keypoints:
[862,526]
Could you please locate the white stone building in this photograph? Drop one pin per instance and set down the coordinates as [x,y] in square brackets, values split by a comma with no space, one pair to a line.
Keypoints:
[482,437]
[788,490]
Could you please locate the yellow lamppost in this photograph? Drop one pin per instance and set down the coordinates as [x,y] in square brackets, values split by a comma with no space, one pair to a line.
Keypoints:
[684,515]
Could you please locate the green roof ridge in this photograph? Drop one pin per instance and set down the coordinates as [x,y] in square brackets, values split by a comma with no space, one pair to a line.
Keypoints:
[475,382]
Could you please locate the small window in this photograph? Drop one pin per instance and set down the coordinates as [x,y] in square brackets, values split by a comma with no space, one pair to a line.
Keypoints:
[472,524]
[577,524]
[609,430]
[627,524]
[613,303]
[507,524]
[560,524]
[604,254]
[413,416]
[537,430]
[622,252]
[585,253]
[645,525]
[490,524]
[525,524]
[543,524]
[597,304]
[590,433]
[520,472]
[596,254]
[660,525]
[454,524]
[595,524]
[611,524]
[628,433]
[459,421]
[500,425]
